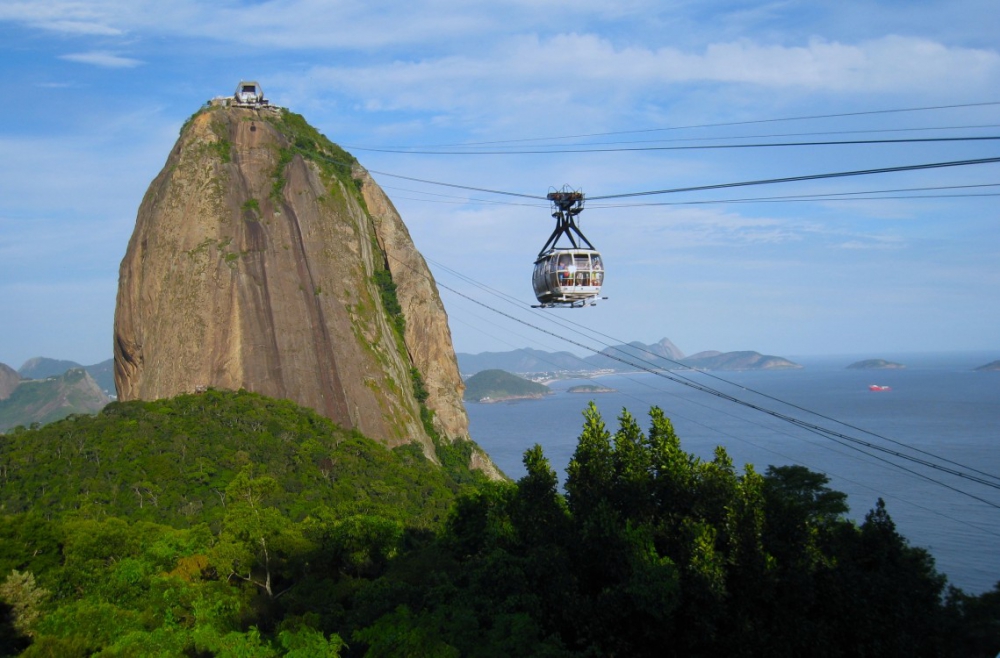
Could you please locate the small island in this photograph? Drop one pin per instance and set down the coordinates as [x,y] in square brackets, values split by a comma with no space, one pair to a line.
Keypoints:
[992,366]
[875,364]
[745,360]
[590,388]
[501,386]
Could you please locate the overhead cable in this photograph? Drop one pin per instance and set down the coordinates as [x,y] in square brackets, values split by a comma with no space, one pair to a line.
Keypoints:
[718,186]
[460,187]
[738,123]
[689,147]
[793,179]
[706,139]
[822,196]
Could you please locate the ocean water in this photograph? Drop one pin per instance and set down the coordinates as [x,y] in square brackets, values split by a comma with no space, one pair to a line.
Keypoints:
[937,404]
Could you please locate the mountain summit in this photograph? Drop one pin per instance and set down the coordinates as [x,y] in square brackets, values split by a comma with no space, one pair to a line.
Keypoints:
[265,258]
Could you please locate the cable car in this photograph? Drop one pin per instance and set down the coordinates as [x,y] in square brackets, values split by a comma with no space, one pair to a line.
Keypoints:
[572,276]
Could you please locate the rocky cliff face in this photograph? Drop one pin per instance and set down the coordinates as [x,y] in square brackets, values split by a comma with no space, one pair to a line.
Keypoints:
[264,257]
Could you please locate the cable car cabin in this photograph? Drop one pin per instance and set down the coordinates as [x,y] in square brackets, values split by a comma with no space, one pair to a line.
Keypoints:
[568,277]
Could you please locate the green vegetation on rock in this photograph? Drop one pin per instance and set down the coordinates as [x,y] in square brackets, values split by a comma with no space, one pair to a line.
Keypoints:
[312,145]
[390,301]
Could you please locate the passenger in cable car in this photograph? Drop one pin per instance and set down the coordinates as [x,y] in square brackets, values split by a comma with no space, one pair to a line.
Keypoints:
[565,267]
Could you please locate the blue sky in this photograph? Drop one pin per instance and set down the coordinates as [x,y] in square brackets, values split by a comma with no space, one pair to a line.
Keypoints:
[95,92]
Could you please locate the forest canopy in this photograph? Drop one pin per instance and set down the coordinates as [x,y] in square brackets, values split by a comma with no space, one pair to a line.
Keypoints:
[229,524]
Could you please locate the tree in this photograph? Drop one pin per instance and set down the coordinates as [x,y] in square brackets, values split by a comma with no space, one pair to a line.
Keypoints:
[256,539]
[806,490]
[632,483]
[590,471]
[538,511]
[25,600]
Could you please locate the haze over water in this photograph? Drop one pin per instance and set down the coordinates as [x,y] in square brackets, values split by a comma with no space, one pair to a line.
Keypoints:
[938,404]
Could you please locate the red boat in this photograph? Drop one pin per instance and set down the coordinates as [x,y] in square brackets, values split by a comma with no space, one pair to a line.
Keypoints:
[876,387]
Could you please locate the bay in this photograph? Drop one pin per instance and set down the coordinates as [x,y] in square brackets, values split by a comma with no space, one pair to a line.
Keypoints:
[938,405]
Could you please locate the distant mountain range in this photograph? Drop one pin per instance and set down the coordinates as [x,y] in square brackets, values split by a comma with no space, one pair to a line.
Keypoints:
[620,358]
[28,401]
[41,367]
[44,390]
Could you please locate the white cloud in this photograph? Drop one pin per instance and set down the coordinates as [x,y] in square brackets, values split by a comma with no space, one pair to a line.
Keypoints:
[527,70]
[105,59]
[880,243]
[79,27]
[66,17]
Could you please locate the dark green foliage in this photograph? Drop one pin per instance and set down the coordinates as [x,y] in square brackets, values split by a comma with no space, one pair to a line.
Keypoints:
[251,209]
[390,301]
[285,156]
[798,488]
[317,535]
[656,552]
[419,389]
[455,457]
[312,145]
[238,507]
[974,623]
[170,461]
[222,147]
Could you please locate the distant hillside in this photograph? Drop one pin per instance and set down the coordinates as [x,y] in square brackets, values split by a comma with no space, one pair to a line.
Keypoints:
[532,360]
[104,374]
[619,358]
[993,365]
[663,354]
[45,400]
[499,385]
[737,361]
[875,364]
[41,367]
[522,360]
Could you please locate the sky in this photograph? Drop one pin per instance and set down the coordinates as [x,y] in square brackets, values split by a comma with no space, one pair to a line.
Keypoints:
[95,93]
